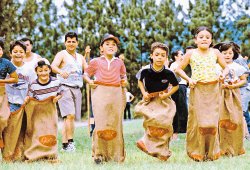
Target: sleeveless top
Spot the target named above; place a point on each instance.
(73, 66)
(204, 68)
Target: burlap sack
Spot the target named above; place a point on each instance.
(41, 132)
(231, 123)
(108, 107)
(14, 136)
(4, 112)
(202, 129)
(158, 117)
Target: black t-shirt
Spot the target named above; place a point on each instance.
(155, 81)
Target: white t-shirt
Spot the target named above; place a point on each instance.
(18, 91)
(235, 70)
(174, 66)
(32, 64)
(128, 96)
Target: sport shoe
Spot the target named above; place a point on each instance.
(71, 147)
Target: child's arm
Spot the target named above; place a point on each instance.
(179, 70)
(143, 91)
(241, 82)
(13, 78)
(57, 98)
(163, 95)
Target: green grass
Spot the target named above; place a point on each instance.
(135, 159)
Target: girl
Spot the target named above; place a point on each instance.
(157, 107)
(202, 128)
(231, 114)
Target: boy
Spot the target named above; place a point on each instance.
(18, 91)
(41, 132)
(157, 107)
(107, 101)
(6, 67)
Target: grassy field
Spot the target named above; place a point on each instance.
(135, 159)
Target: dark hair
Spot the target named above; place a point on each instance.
(71, 35)
(224, 46)
(159, 45)
(17, 43)
(42, 63)
(202, 28)
(1, 44)
(189, 48)
(175, 53)
(27, 39)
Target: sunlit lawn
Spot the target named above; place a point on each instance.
(135, 159)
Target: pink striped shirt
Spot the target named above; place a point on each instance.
(105, 71)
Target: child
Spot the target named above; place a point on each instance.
(157, 107)
(231, 114)
(180, 99)
(6, 67)
(18, 91)
(202, 128)
(107, 101)
(41, 132)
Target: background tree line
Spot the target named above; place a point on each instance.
(137, 23)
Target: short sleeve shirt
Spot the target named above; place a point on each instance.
(6, 67)
(155, 81)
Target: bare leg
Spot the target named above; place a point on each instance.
(64, 134)
(70, 126)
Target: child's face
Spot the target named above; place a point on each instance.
(159, 57)
(203, 39)
(1, 52)
(17, 54)
(179, 57)
(28, 46)
(109, 47)
(43, 73)
(71, 44)
(228, 55)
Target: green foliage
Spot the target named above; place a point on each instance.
(137, 23)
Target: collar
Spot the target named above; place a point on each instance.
(151, 66)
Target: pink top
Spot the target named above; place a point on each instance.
(107, 71)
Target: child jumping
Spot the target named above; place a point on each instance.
(157, 107)
(107, 102)
(41, 132)
(6, 67)
(231, 125)
(202, 128)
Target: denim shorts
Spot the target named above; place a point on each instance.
(14, 107)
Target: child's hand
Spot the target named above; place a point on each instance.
(146, 97)
(26, 100)
(92, 84)
(124, 83)
(231, 86)
(56, 98)
(224, 86)
(191, 83)
(163, 95)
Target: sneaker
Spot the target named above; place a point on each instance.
(71, 147)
